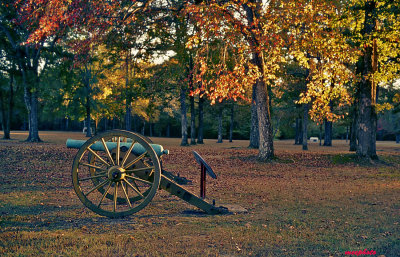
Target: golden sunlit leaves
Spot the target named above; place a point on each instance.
(323, 37)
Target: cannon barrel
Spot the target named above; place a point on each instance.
(137, 149)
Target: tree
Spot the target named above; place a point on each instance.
(7, 104)
(31, 59)
(372, 27)
(247, 28)
(254, 134)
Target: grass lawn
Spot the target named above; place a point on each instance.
(321, 202)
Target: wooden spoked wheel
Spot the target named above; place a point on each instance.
(111, 178)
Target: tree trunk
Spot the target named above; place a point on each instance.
(220, 125)
(192, 122)
(128, 112)
(254, 135)
(398, 138)
(135, 123)
(10, 109)
(105, 124)
(320, 135)
(266, 143)
(184, 134)
(88, 125)
(328, 133)
(151, 129)
(128, 118)
(144, 127)
(298, 138)
(114, 123)
(305, 126)
(67, 123)
(168, 130)
(367, 90)
(96, 124)
(201, 123)
(7, 115)
(4, 116)
(231, 123)
(31, 102)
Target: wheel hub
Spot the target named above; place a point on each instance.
(116, 173)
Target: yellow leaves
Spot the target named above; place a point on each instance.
(383, 107)
(301, 58)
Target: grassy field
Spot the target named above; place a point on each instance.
(322, 202)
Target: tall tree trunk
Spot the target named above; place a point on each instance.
(201, 123)
(254, 135)
(298, 138)
(305, 126)
(150, 129)
(192, 122)
(4, 115)
(105, 124)
(31, 102)
(220, 125)
(320, 135)
(144, 127)
(184, 134)
(10, 109)
(168, 130)
(328, 133)
(266, 143)
(128, 117)
(7, 115)
(28, 64)
(96, 124)
(231, 123)
(353, 129)
(135, 123)
(88, 125)
(128, 112)
(367, 89)
(31, 81)
(192, 107)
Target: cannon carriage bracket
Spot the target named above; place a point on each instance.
(117, 173)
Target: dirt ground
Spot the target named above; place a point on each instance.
(320, 202)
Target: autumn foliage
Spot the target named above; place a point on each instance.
(342, 46)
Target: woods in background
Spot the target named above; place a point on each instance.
(238, 69)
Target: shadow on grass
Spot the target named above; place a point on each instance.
(352, 158)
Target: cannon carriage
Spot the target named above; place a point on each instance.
(117, 173)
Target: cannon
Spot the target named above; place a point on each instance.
(117, 173)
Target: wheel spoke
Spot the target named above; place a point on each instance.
(134, 183)
(88, 178)
(105, 193)
(95, 154)
(92, 166)
(97, 187)
(118, 150)
(126, 195)
(115, 195)
(139, 179)
(107, 151)
(127, 154)
(134, 189)
(138, 170)
(136, 160)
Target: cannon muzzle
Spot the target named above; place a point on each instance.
(137, 149)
